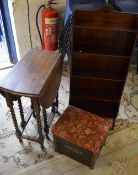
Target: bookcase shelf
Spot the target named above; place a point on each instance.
(99, 66)
(96, 88)
(103, 42)
(102, 45)
(108, 109)
(98, 26)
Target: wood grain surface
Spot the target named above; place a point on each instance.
(30, 75)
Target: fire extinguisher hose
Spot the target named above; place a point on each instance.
(37, 25)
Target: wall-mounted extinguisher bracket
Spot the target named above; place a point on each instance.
(50, 2)
(49, 36)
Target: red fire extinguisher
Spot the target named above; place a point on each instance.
(49, 36)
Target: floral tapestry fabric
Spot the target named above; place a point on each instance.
(82, 128)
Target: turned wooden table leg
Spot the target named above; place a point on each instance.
(23, 122)
(46, 127)
(36, 108)
(55, 106)
(33, 110)
(10, 105)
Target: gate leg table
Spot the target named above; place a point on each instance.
(36, 76)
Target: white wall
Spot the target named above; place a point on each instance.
(21, 22)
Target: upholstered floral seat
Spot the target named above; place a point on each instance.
(82, 128)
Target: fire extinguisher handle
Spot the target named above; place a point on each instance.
(51, 3)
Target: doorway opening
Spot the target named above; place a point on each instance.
(9, 52)
(4, 54)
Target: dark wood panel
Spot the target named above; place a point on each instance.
(107, 109)
(97, 65)
(94, 88)
(106, 17)
(29, 76)
(105, 42)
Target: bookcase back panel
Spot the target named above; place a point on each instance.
(97, 94)
(102, 108)
(97, 65)
(98, 83)
(105, 42)
(106, 18)
(95, 88)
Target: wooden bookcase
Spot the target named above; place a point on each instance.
(102, 46)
